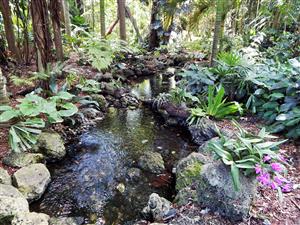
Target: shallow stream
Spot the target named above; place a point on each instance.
(100, 178)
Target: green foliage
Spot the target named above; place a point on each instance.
(245, 152)
(179, 95)
(197, 79)
(30, 114)
(277, 96)
(89, 86)
(216, 106)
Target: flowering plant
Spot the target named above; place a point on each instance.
(253, 155)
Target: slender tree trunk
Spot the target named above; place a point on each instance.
(134, 24)
(55, 10)
(9, 30)
(42, 37)
(80, 7)
(3, 92)
(65, 7)
(102, 18)
(93, 15)
(217, 30)
(111, 27)
(122, 15)
(153, 38)
(3, 59)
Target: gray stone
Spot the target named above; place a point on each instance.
(152, 162)
(32, 180)
(215, 191)
(185, 196)
(4, 177)
(100, 99)
(30, 218)
(11, 203)
(159, 208)
(134, 174)
(51, 145)
(23, 159)
(188, 170)
(203, 131)
(66, 221)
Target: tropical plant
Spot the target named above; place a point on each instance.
(180, 95)
(28, 117)
(252, 154)
(197, 79)
(216, 107)
(89, 86)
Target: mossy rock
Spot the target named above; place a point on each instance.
(189, 175)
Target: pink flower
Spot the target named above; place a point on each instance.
(258, 169)
(279, 180)
(267, 158)
(273, 185)
(286, 188)
(281, 158)
(276, 167)
(264, 178)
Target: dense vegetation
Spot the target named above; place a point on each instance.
(244, 60)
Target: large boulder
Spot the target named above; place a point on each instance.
(4, 177)
(30, 218)
(159, 208)
(66, 221)
(100, 99)
(203, 131)
(11, 203)
(32, 180)
(51, 145)
(23, 159)
(152, 162)
(215, 191)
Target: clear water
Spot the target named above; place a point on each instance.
(85, 183)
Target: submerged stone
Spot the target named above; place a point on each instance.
(23, 159)
(66, 221)
(152, 162)
(32, 180)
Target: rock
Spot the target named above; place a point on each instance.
(91, 113)
(152, 162)
(32, 180)
(204, 147)
(185, 196)
(128, 72)
(11, 203)
(30, 218)
(188, 170)
(4, 177)
(159, 208)
(133, 174)
(129, 100)
(23, 159)
(204, 131)
(215, 191)
(100, 99)
(51, 145)
(66, 221)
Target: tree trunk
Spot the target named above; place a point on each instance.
(102, 18)
(111, 27)
(153, 37)
(217, 30)
(55, 10)
(134, 24)
(93, 15)
(42, 37)
(80, 7)
(9, 30)
(121, 13)
(65, 8)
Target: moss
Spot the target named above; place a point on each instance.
(189, 175)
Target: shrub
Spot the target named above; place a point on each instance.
(252, 155)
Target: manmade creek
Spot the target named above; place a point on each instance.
(100, 177)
